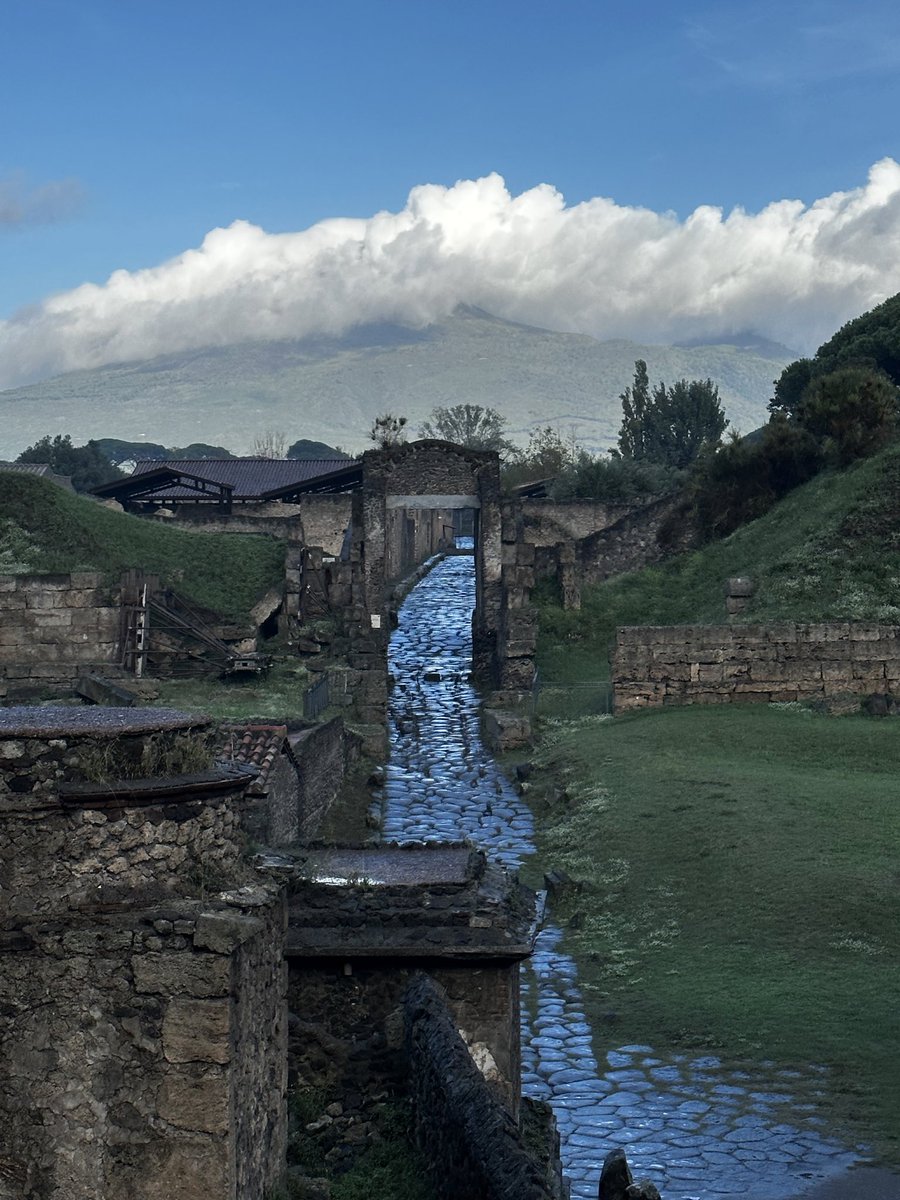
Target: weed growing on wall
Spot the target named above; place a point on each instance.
(162, 754)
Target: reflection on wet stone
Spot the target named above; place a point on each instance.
(695, 1126)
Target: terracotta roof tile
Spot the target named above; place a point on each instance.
(256, 745)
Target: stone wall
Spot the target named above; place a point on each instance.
(720, 664)
(142, 1054)
(314, 520)
(628, 544)
(518, 619)
(471, 1141)
(347, 1021)
(142, 1007)
(413, 535)
(362, 920)
(548, 522)
(52, 627)
(71, 841)
(323, 754)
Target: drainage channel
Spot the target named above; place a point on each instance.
(697, 1126)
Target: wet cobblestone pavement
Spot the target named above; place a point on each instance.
(698, 1126)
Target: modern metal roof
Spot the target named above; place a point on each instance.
(247, 478)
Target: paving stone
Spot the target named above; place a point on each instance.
(711, 1131)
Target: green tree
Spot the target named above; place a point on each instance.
(547, 456)
(634, 433)
(468, 425)
(87, 465)
(388, 430)
(669, 426)
(851, 412)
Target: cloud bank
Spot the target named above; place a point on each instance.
(791, 272)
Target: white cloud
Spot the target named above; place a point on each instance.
(790, 272)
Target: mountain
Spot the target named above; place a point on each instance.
(331, 389)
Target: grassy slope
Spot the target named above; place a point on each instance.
(740, 865)
(741, 895)
(829, 550)
(44, 529)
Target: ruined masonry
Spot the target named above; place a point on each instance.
(142, 1013)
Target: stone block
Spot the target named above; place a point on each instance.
(86, 579)
(197, 1101)
(866, 631)
(41, 584)
(505, 730)
(198, 1168)
(40, 601)
(181, 973)
(224, 932)
(197, 1031)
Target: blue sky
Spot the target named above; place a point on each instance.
(133, 129)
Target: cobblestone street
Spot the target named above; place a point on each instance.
(698, 1126)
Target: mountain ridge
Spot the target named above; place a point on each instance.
(331, 388)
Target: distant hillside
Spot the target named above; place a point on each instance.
(330, 389)
(45, 529)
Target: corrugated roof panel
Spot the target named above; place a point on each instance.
(250, 478)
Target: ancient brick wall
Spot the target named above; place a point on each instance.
(64, 851)
(348, 1024)
(313, 520)
(628, 544)
(323, 753)
(720, 664)
(518, 619)
(52, 627)
(324, 520)
(142, 1054)
(413, 535)
(142, 1014)
(471, 1141)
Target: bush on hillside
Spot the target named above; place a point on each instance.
(743, 479)
(615, 480)
(851, 412)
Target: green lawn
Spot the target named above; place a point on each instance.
(740, 871)
(277, 695)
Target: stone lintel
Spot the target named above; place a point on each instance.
(433, 502)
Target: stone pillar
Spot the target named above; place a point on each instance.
(738, 591)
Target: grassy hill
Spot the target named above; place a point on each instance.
(829, 550)
(44, 529)
(331, 389)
